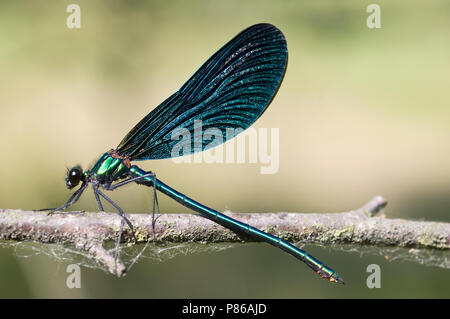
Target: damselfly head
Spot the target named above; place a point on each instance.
(74, 177)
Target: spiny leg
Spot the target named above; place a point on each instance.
(67, 203)
(77, 197)
(155, 197)
(124, 218)
(100, 205)
(132, 179)
(72, 200)
(116, 253)
(155, 206)
(121, 212)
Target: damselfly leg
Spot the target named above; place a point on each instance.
(72, 200)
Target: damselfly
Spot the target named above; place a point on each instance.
(230, 91)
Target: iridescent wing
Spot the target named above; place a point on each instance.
(230, 91)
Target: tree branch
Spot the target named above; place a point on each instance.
(88, 231)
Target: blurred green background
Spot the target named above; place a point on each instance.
(361, 112)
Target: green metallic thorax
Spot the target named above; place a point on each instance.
(108, 169)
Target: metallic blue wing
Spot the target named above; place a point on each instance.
(230, 91)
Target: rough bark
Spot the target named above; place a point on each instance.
(88, 231)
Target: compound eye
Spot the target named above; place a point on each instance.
(74, 177)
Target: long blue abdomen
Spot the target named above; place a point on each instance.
(238, 226)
